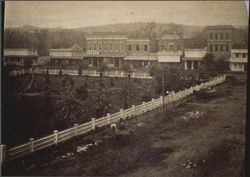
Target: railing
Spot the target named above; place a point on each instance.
(74, 72)
(57, 137)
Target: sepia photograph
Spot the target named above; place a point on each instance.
(124, 88)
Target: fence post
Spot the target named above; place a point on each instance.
(76, 129)
(31, 144)
(153, 102)
(161, 98)
(95, 73)
(133, 74)
(133, 108)
(121, 112)
(144, 109)
(121, 73)
(55, 137)
(22, 71)
(108, 118)
(2, 154)
(93, 123)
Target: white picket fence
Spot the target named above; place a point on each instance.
(61, 136)
(74, 72)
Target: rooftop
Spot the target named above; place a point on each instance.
(20, 52)
(215, 27)
(105, 37)
(170, 36)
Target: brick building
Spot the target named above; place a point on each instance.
(219, 41)
(105, 50)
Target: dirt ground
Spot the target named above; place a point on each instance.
(163, 144)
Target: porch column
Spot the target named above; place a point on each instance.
(192, 65)
(199, 63)
(185, 65)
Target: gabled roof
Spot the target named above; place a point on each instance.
(74, 48)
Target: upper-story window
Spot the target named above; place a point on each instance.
(100, 46)
(211, 48)
(216, 36)
(221, 36)
(95, 46)
(130, 47)
(145, 47)
(227, 48)
(111, 46)
(116, 46)
(237, 55)
(221, 48)
(216, 48)
(122, 48)
(162, 47)
(178, 47)
(137, 47)
(211, 35)
(90, 47)
(227, 36)
(105, 46)
(244, 55)
(171, 47)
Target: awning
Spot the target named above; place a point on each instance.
(141, 58)
(169, 59)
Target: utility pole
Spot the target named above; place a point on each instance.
(162, 83)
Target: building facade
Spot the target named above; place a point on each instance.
(219, 41)
(238, 60)
(68, 57)
(193, 58)
(170, 43)
(20, 57)
(105, 50)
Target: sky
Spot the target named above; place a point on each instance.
(73, 14)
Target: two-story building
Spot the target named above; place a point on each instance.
(193, 58)
(68, 57)
(238, 60)
(105, 50)
(138, 53)
(20, 57)
(219, 41)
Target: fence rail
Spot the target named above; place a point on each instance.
(57, 137)
(74, 72)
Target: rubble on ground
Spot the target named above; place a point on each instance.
(192, 115)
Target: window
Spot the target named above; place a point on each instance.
(221, 48)
(116, 47)
(94, 46)
(244, 55)
(90, 48)
(129, 47)
(95, 62)
(221, 36)
(111, 46)
(216, 48)
(227, 36)
(122, 47)
(211, 48)
(105, 46)
(137, 47)
(100, 46)
(237, 55)
(216, 36)
(162, 47)
(117, 62)
(227, 48)
(178, 47)
(171, 47)
(211, 36)
(145, 47)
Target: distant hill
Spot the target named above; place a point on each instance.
(25, 36)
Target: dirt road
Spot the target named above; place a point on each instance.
(168, 144)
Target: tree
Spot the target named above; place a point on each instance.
(68, 109)
(128, 92)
